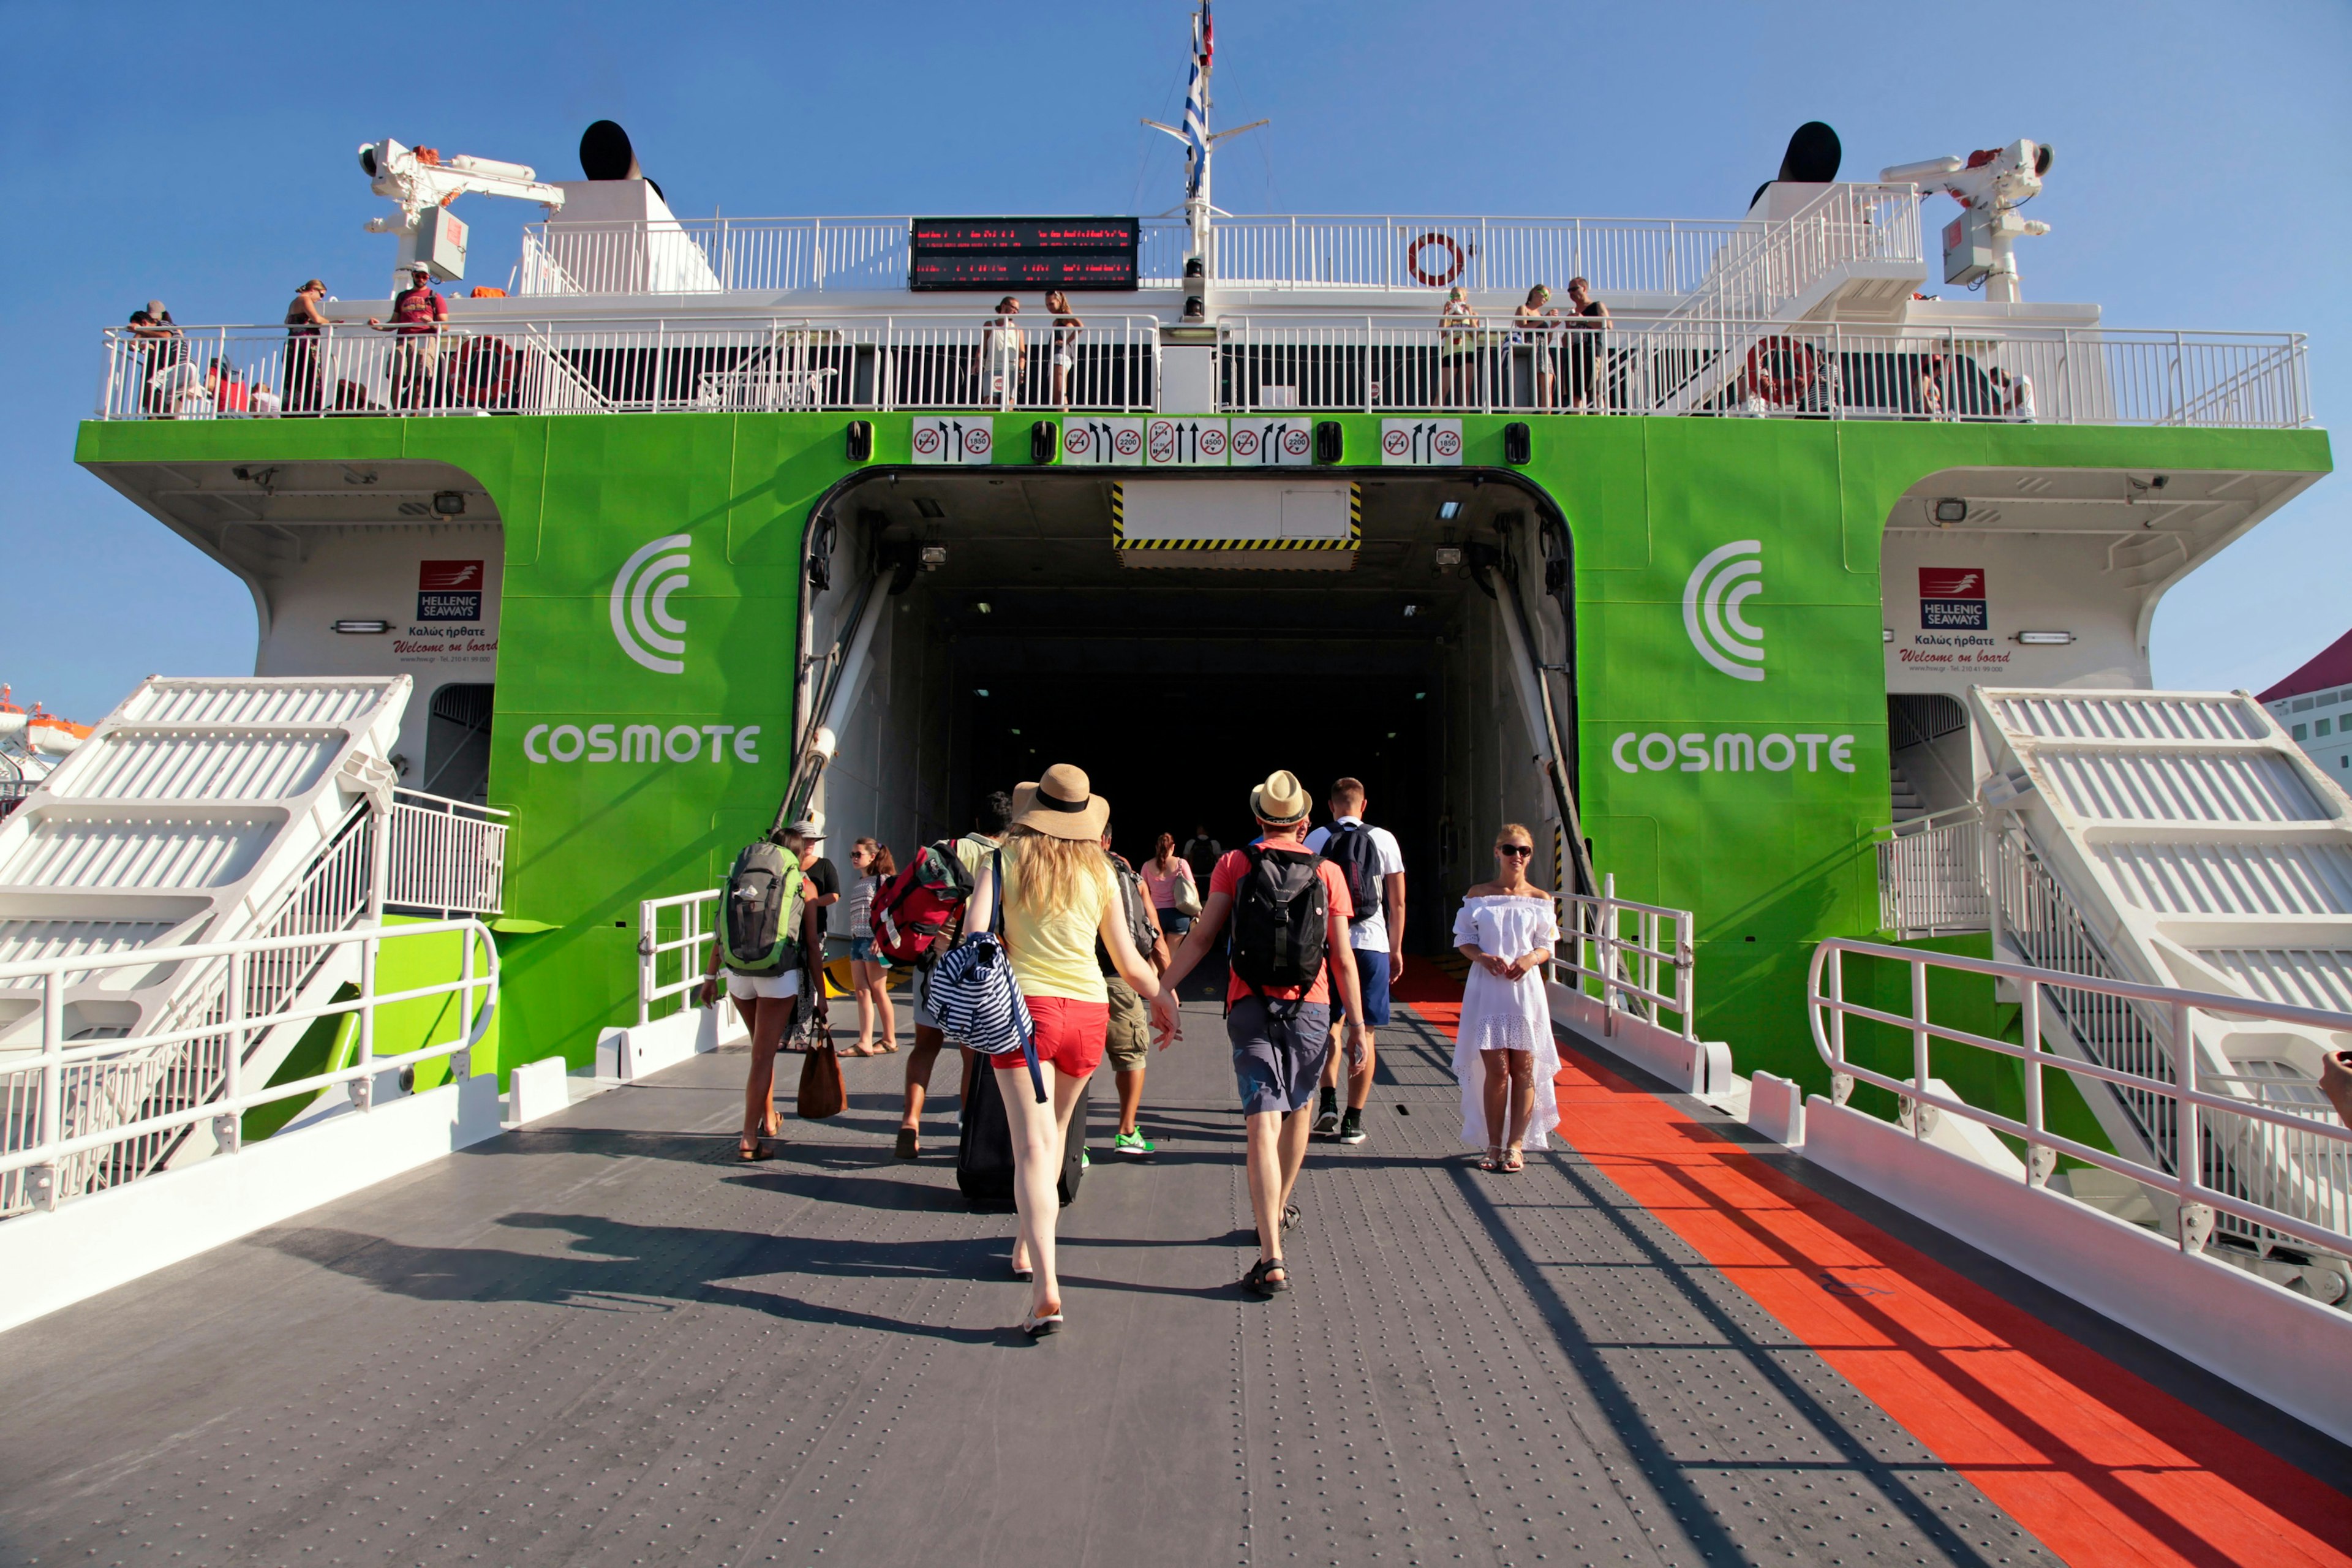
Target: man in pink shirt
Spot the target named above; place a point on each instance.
(1290, 909)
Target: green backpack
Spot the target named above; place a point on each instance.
(760, 920)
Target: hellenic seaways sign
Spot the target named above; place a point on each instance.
(1023, 253)
(1951, 599)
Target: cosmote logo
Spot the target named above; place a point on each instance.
(642, 623)
(1722, 582)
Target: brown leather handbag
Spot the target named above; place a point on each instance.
(822, 1094)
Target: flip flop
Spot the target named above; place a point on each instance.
(910, 1145)
(1037, 1325)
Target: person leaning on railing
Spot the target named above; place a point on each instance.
(1003, 354)
(1590, 317)
(303, 324)
(418, 315)
(1538, 324)
(1458, 349)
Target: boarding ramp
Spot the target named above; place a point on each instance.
(200, 812)
(2182, 840)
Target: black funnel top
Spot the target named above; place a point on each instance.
(1811, 159)
(605, 153)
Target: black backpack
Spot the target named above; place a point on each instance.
(1349, 846)
(1282, 910)
(760, 919)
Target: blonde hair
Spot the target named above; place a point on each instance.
(1057, 875)
(1503, 834)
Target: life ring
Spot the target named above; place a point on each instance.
(1782, 370)
(1413, 260)
(482, 373)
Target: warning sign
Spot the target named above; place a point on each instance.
(1186, 443)
(1119, 442)
(1422, 442)
(966, 439)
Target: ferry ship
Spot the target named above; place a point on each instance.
(1797, 594)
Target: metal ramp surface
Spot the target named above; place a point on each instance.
(600, 1340)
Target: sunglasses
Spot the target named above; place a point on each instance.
(1515, 851)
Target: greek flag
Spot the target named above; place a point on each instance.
(1196, 100)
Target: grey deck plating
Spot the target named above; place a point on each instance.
(600, 1340)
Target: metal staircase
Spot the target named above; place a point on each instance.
(1852, 252)
(198, 812)
(2181, 839)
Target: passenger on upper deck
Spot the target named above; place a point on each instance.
(1067, 328)
(303, 323)
(418, 315)
(1539, 321)
(1584, 353)
(1458, 349)
(164, 373)
(1003, 356)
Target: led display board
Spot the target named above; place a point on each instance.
(1023, 253)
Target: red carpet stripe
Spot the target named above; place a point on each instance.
(2107, 1470)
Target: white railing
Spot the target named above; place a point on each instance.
(2280, 1170)
(1636, 958)
(681, 924)
(1931, 874)
(1660, 256)
(1110, 362)
(47, 1127)
(1996, 373)
(445, 855)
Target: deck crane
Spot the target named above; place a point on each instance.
(1992, 183)
(422, 184)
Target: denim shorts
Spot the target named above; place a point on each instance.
(1278, 1051)
(1173, 925)
(861, 949)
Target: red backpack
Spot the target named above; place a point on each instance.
(915, 905)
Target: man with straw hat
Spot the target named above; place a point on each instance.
(1290, 910)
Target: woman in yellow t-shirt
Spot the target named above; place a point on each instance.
(1059, 898)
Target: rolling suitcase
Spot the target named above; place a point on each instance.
(985, 1145)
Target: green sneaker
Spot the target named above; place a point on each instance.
(1133, 1142)
(1086, 1161)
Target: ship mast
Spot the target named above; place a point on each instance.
(1200, 145)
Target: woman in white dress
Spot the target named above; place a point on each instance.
(1504, 1054)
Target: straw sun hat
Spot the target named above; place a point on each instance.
(1281, 801)
(1062, 804)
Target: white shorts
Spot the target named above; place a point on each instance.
(743, 987)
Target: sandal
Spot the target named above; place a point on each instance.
(1292, 1218)
(910, 1144)
(753, 1153)
(1514, 1162)
(1261, 1277)
(1023, 1275)
(1493, 1160)
(1037, 1325)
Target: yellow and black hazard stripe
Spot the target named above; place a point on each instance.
(1355, 540)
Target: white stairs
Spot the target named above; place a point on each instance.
(198, 811)
(2182, 839)
(1908, 805)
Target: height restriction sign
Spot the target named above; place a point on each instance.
(1422, 442)
(966, 439)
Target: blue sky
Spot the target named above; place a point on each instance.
(204, 156)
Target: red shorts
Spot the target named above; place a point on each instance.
(1070, 1034)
